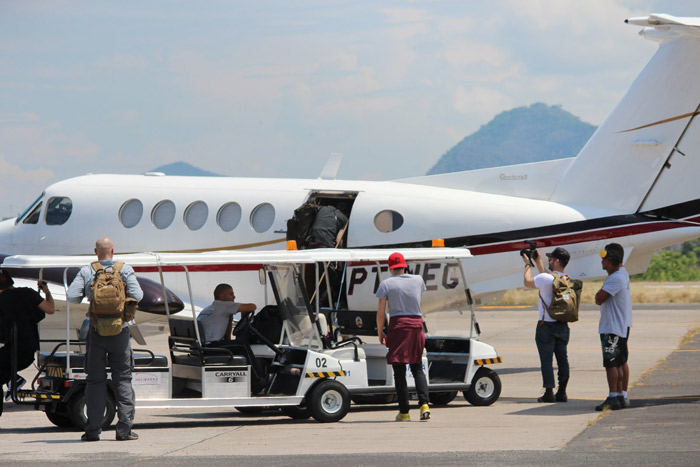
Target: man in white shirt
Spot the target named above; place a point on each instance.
(615, 322)
(551, 336)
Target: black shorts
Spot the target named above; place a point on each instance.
(615, 352)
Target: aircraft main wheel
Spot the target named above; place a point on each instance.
(442, 398)
(296, 412)
(77, 411)
(59, 419)
(329, 401)
(485, 388)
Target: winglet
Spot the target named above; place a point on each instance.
(330, 170)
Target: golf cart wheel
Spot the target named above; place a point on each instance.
(77, 411)
(296, 412)
(442, 398)
(329, 401)
(59, 419)
(485, 388)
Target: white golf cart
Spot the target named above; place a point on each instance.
(312, 364)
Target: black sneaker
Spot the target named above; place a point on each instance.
(624, 403)
(548, 396)
(611, 403)
(87, 437)
(131, 436)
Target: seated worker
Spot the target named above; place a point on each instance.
(217, 318)
(217, 323)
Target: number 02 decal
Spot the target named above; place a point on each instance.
(321, 363)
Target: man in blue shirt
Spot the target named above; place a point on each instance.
(104, 350)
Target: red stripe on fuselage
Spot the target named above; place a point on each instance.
(582, 237)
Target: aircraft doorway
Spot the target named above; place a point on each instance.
(323, 222)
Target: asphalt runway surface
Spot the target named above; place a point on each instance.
(662, 426)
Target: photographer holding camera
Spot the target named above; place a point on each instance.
(551, 336)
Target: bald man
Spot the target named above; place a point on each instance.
(114, 351)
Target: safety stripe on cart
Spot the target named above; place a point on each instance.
(21, 395)
(325, 374)
(488, 361)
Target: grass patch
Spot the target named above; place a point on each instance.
(642, 292)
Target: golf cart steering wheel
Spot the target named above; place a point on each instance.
(243, 323)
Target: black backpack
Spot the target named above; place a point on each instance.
(268, 322)
(299, 226)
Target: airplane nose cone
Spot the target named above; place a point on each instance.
(153, 301)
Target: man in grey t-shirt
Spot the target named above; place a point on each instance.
(615, 321)
(217, 318)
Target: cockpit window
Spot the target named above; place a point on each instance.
(33, 216)
(58, 210)
(29, 208)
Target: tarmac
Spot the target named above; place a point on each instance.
(662, 426)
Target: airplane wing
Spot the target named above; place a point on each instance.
(150, 260)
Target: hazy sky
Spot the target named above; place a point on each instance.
(271, 88)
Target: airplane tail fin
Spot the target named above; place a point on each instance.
(646, 154)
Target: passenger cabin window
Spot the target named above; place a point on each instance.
(262, 217)
(196, 215)
(130, 213)
(33, 216)
(388, 221)
(163, 214)
(229, 216)
(58, 210)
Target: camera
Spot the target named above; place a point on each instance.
(531, 252)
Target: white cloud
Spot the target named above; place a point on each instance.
(480, 101)
(122, 61)
(19, 186)
(461, 53)
(405, 15)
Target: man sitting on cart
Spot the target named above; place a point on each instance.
(217, 324)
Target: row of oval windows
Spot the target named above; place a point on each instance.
(228, 217)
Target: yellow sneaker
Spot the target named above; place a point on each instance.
(403, 417)
(424, 412)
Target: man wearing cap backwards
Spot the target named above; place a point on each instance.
(615, 321)
(25, 307)
(405, 337)
(551, 336)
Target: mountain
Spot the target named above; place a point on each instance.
(183, 168)
(524, 134)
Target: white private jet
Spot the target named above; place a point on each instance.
(633, 183)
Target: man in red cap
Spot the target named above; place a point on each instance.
(405, 337)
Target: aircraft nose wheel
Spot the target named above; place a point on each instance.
(329, 401)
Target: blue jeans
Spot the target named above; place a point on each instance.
(552, 339)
